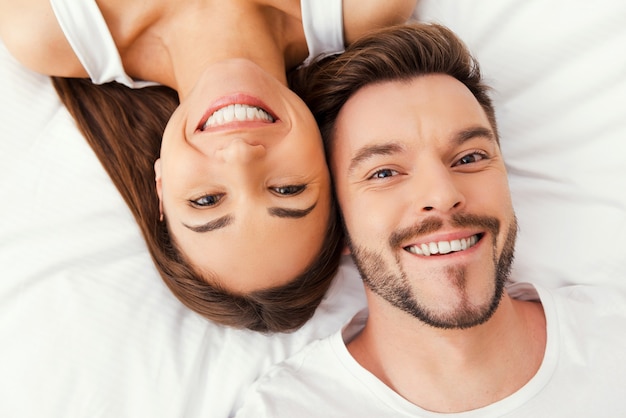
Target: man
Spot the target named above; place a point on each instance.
(419, 176)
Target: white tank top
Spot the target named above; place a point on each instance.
(323, 27)
(90, 38)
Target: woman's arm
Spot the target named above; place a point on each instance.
(30, 31)
(360, 16)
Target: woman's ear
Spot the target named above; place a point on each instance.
(157, 180)
(346, 249)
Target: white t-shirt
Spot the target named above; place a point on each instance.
(90, 38)
(583, 373)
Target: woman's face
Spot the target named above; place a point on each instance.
(242, 179)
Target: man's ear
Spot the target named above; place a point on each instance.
(159, 190)
(346, 250)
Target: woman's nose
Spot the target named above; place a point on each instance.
(239, 151)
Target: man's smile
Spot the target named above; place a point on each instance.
(444, 247)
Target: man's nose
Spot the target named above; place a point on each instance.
(438, 191)
(240, 151)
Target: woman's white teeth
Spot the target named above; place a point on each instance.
(443, 247)
(237, 112)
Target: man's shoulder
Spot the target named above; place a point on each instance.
(578, 311)
(313, 376)
(291, 387)
(598, 310)
(602, 298)
(583, 315)
(595, 300)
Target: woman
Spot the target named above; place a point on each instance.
(240, 224)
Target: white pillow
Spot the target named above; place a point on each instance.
(558, 69)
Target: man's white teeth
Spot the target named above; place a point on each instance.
(443, 247)
(237, 112)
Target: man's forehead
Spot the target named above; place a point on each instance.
(383, 112)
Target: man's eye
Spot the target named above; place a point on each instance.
(289, 190)
(474, 157)
(383, 173)
(207, 200)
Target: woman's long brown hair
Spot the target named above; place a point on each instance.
(124, 127)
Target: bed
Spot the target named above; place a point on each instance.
(89, 330)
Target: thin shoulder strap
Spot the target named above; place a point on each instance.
(90, 38)
(323, 27)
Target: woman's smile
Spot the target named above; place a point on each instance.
(237, 110)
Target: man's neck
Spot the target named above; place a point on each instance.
(453, 370)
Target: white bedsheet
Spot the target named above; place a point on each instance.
(87, 328)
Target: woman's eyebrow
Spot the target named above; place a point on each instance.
(212, 225)
(290, 213)
(226, 220)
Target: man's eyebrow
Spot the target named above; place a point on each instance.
(473, 132)
(290, 213)
(211, 225)
(369, 151)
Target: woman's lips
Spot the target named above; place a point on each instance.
(237, 114)
(236, 110)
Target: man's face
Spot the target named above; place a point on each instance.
(425, 199)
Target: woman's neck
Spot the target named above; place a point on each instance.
(173, 42)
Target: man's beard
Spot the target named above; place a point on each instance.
(393, 285)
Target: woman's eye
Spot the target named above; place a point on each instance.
(474, 157)
(289, 190)
(206, 201)
(384, 173)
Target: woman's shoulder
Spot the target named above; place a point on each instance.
(30, 31)
(360, 16)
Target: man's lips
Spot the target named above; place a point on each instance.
(444, 247)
